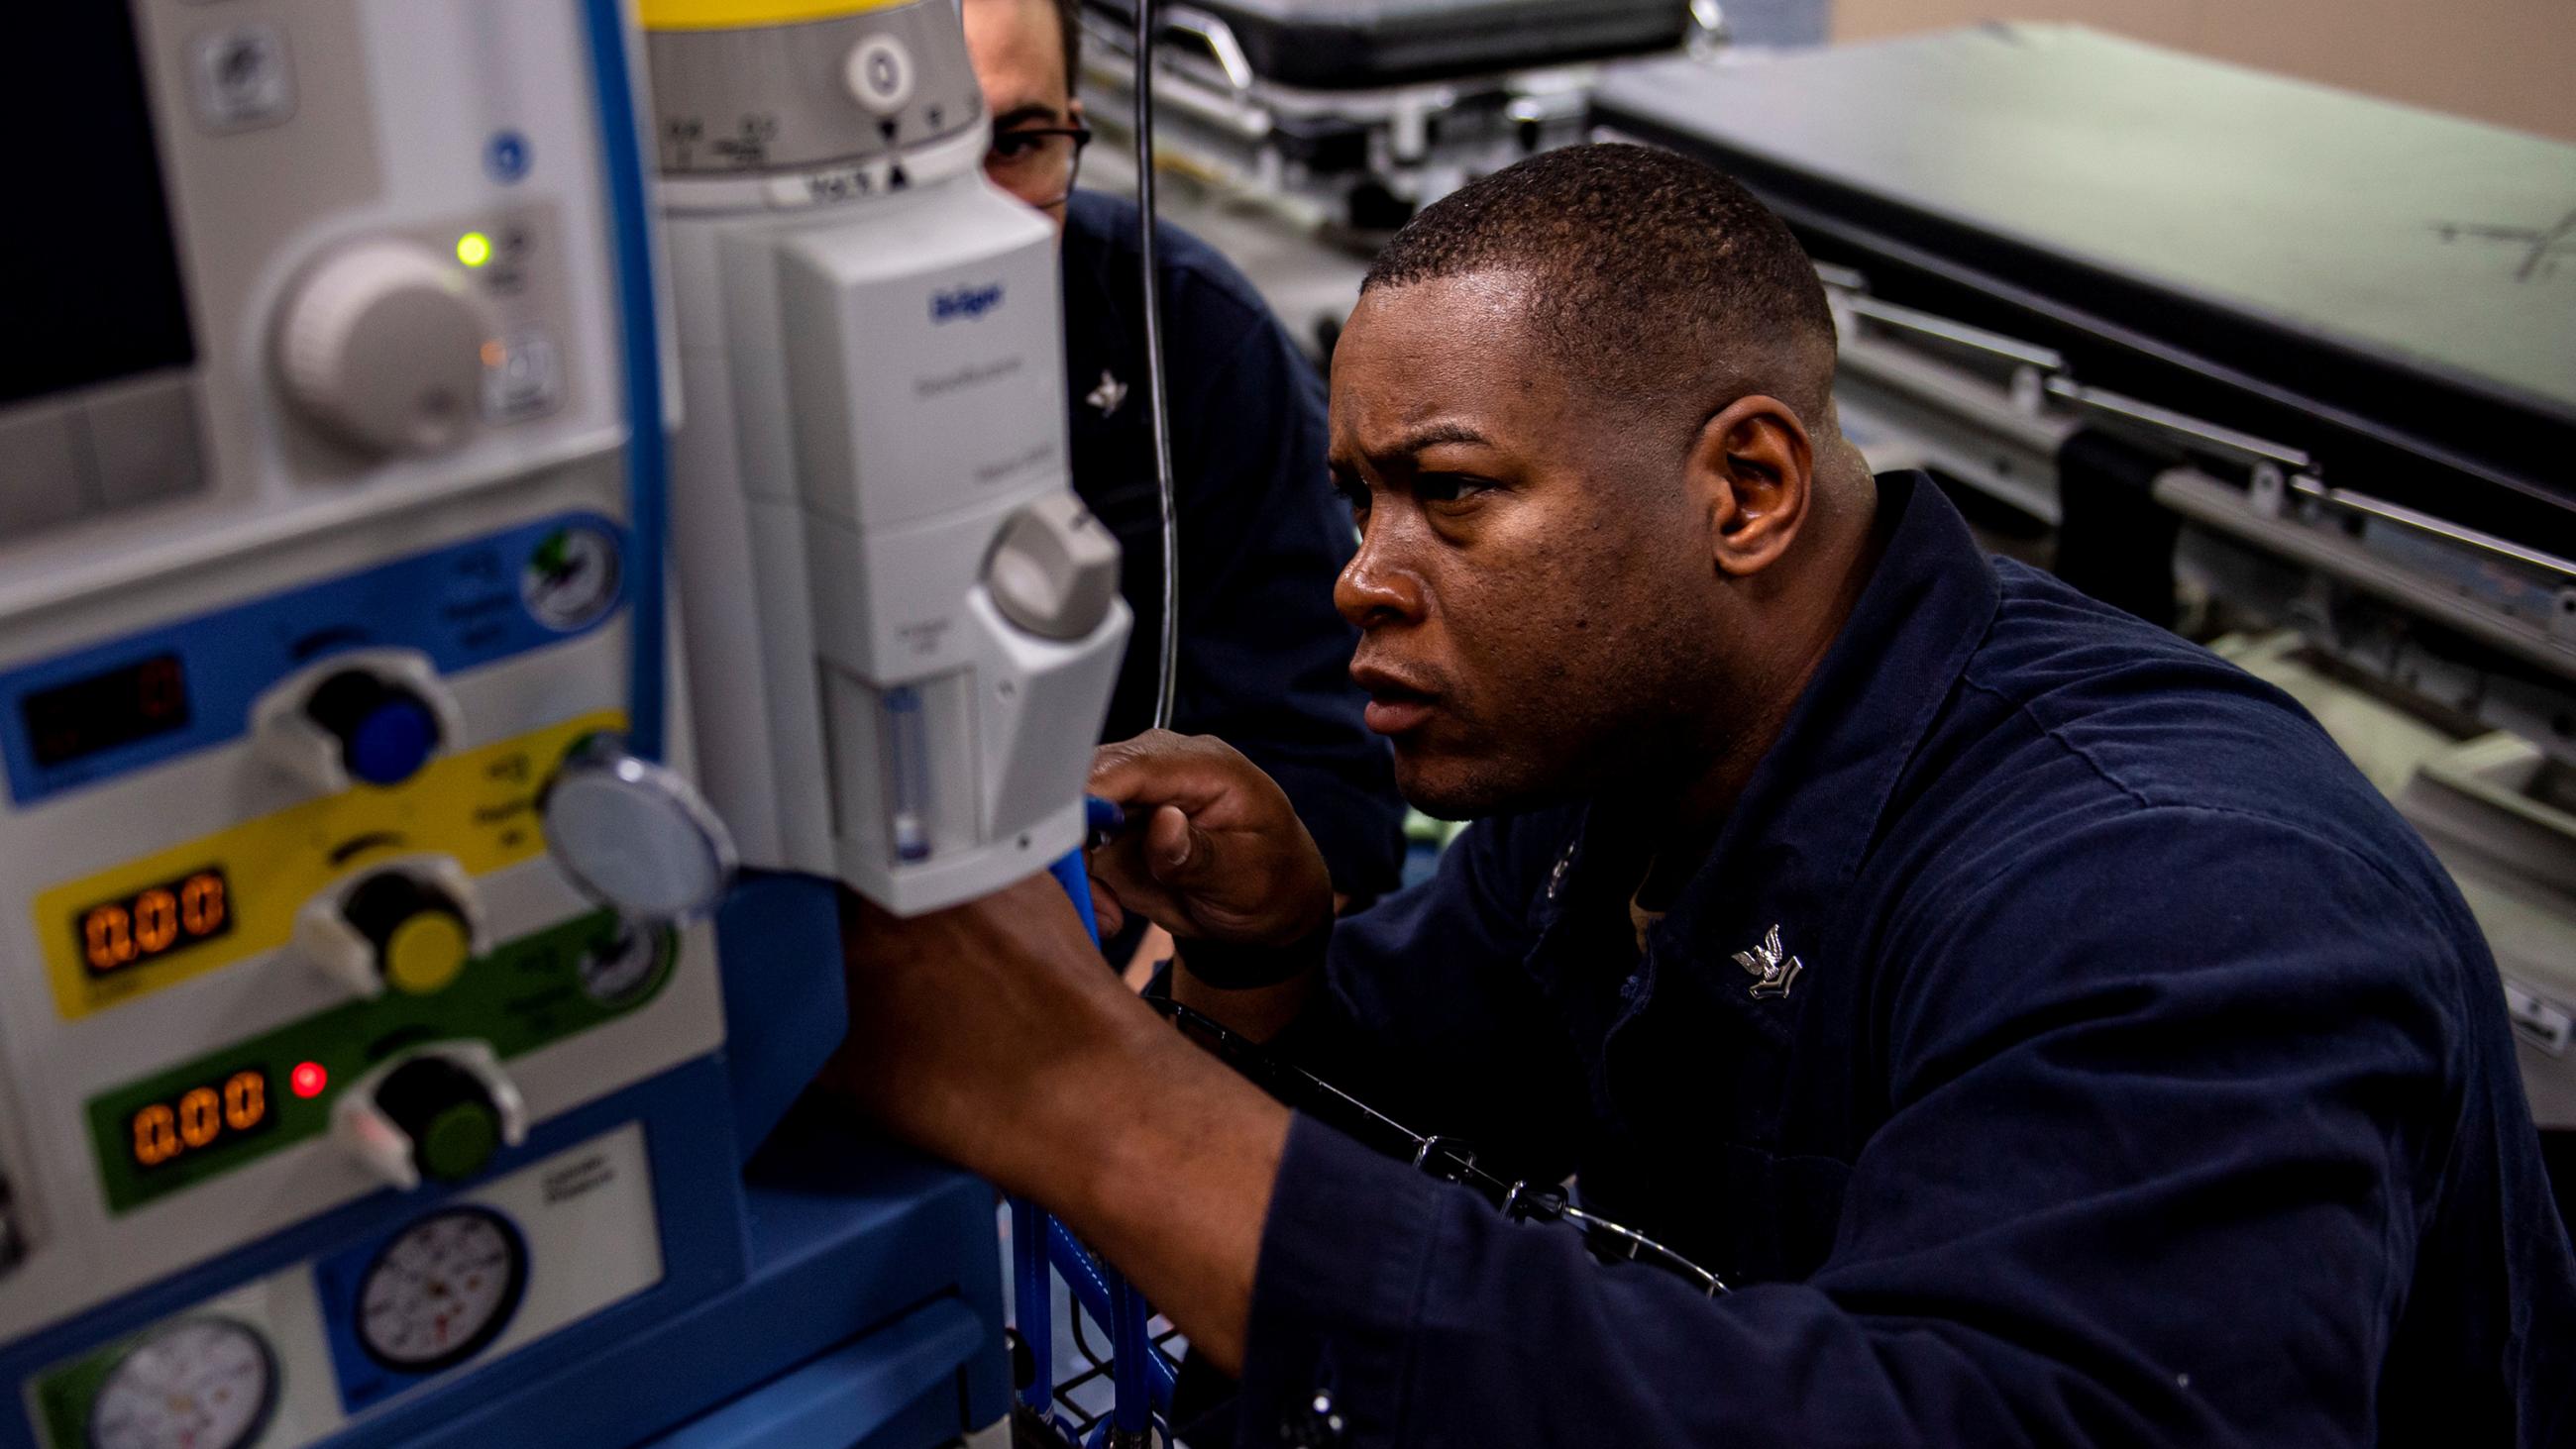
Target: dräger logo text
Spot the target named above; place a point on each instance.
(968, 303)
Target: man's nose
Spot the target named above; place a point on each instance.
(1375, 587)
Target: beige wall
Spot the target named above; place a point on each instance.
(2512, 62)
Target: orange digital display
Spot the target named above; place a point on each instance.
(154, 921)
(178, 1127)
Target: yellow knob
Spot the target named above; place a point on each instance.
(426, 953)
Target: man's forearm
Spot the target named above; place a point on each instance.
(1170, 1179)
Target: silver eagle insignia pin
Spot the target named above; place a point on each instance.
(1108, 395)
(1772, 968)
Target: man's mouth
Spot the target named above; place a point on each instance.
(1395, 705)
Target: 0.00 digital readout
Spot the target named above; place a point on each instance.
(201, 1117)
(154, 921)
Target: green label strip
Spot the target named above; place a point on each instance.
(67, 1393)
(526, 994)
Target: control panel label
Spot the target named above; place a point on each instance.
(164, 918)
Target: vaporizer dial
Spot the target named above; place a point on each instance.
(204, 1383)
(443, 1291)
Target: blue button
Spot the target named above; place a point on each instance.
(506, 156)
(392, 742)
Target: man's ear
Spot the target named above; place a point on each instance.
(1752, 469)
(1073, 111)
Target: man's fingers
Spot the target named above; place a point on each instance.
(1175, 851)
(1123, 872)
(1162, 768)
(1106, 910)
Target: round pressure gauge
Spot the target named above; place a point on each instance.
(440, 1293)
(571, 578)
(201, 1383)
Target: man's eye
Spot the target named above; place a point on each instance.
(1448, 487)
(1354, 494)
(1011, 148)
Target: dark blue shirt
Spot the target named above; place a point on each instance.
(2142, 1081)
(1265, 658)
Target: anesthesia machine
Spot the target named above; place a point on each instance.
(385, 1038)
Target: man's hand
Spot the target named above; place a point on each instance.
(1220, 855)
(993, 1035)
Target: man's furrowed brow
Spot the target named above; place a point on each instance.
(1033, 114)
(1432, 435)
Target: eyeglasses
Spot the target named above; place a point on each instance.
(1037, 163)
(1445, 1158)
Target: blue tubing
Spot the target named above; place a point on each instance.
(1069, 873)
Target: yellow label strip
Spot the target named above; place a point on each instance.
(480, 807)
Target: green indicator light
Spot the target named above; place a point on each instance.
(474, 249)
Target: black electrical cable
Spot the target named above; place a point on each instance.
(1157, 403)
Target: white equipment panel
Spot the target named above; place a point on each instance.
(297, 615)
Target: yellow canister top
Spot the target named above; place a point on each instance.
(751, 14)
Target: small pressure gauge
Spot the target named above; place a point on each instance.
(201, 1383)
(572, 578)
(443, 1291)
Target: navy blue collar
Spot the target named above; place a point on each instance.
(1816, 800)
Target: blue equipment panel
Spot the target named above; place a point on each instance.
(117, 706)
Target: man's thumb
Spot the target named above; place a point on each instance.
(1174, 849)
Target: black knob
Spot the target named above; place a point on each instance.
(386, 731)
(447, 1112)
(420, 933)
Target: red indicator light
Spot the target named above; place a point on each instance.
(308, 1079)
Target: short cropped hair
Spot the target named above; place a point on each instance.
(1068, 19)
(1650, 273)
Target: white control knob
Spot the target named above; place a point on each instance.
(1054, 569)
(381, 346)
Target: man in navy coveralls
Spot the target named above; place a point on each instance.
(2051, 1035)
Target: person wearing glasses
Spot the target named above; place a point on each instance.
(1985, 1017)
(1263, 655)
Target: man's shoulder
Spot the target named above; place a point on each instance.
(2074, 721)
(2159, 720)
(1209, 295)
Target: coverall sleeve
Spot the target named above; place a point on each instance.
(1265, 655)
(2163, 1101)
